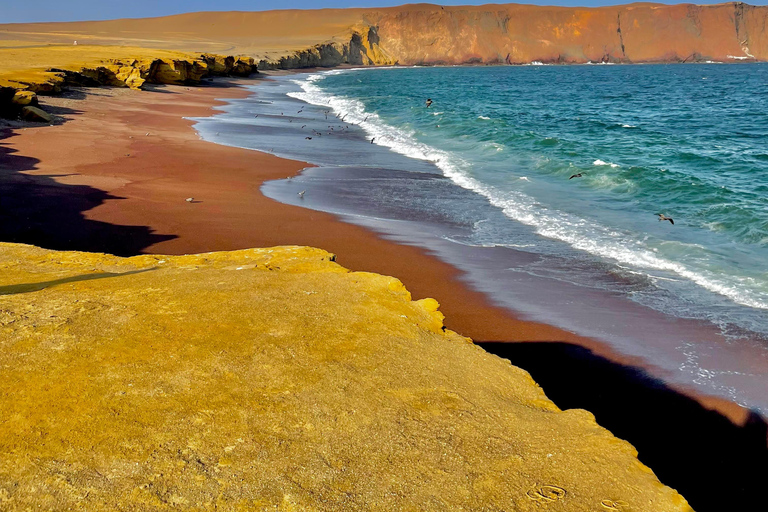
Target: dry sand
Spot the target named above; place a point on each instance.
(115, 176)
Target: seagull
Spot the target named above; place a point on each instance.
(366, 118)
(429, 102)
(301, 194)
(664, 217)
(579, 175)
(373, 139)
(303, 127)
(147, 135)
(190, 199)
(308, 138)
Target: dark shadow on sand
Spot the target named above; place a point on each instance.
(14, 289)
(37, 210)
(717, 465)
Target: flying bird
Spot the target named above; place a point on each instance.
(664, 217)
(373, 139)
(301, 194)
(579, 175)
(308, 138)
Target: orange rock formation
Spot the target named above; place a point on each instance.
(430, 34)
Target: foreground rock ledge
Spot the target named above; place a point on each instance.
(274, 379)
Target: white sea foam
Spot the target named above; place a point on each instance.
(600, 162)
(483, 117)
(628, 126)
(580, 233)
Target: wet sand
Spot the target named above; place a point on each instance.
(115, 176)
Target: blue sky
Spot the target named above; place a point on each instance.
(22, 11)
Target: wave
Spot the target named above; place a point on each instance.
(601, 163)
(483, 117)
(580, 233)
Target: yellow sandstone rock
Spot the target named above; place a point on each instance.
(24, 98)
(36, 115)
(274, 379)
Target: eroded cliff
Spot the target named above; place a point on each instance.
(274, 379)
(431, 34)
(517, 34)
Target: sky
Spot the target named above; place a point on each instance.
(24, 11)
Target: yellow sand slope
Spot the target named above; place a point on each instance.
(274, 379)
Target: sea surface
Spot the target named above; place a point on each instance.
(483, 179)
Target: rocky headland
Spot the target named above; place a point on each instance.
(274, 379)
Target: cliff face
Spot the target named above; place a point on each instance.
(430, 34)
(516, 34)
(274, 379)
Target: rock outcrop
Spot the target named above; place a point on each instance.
(274, 379)
(362, 49)
(35, 115)
(133, 73)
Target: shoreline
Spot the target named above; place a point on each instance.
(158, 171)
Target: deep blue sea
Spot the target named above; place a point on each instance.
(482, 179)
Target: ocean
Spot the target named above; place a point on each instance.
(484, 180)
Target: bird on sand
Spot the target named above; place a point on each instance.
(301, 194)
(190, 199)
(664, 217)
(579, 175)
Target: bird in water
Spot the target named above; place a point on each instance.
(373, 139)
(579, 175)
(429, 102)
(664, 217)
(301, 194)
(308, 138)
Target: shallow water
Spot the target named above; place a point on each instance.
(481, 178)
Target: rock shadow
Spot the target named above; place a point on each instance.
(37, 210)
(716, 464)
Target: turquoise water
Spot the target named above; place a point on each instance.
(481, 180)
(690, 142)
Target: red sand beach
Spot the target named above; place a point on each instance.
(114, 177)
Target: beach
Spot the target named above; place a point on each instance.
(114, 178)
